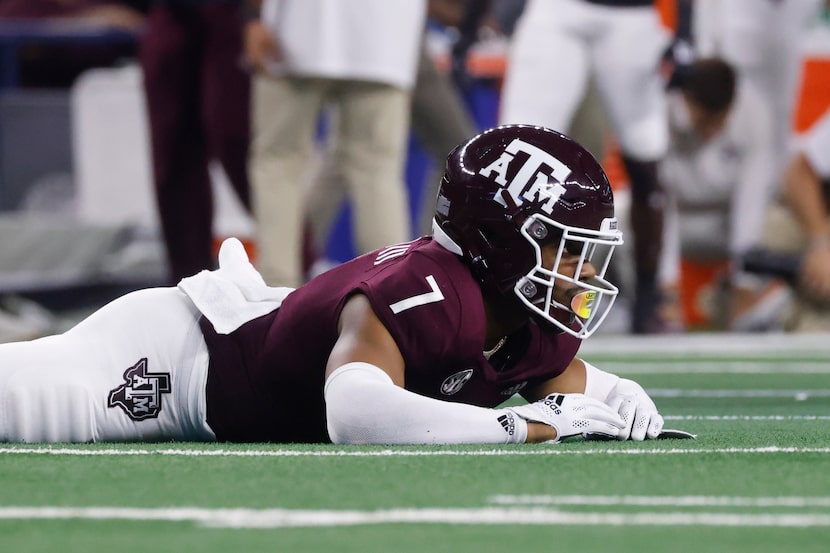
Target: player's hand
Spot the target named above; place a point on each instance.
(815, 272)
(572, 414)
(260, 46)
(637, 410)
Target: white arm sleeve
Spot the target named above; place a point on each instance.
(599, 384)
(364, 406)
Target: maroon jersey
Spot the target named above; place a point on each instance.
(265, 380)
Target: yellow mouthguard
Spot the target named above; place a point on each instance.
(583, 303)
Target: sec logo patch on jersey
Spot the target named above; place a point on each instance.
(453, 383)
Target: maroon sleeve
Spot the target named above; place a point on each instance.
(431, 306)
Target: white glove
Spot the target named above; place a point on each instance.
(572, 414)
(637, 410)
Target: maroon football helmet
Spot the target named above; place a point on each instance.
(513, 188)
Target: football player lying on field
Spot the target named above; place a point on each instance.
(416, 343)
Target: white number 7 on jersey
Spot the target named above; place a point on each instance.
(421, 299)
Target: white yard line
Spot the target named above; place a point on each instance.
(660, 501)
(544, 451)
(282, 518)
(691, 366)
(784, 346)
(746, 417)
(743, 393)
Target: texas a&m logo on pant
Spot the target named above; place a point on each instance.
(140, 395)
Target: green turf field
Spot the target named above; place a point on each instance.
(757, 479)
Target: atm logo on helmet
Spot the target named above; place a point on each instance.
(538, 180)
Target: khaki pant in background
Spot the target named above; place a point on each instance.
(439, 120)
(372, 131)
(783, 233)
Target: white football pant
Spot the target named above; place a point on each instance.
(135, 370)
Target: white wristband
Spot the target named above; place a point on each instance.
(598, 384)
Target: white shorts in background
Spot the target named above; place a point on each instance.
(560, 45)
(135, 370)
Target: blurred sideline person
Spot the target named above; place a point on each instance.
(46, 63)
(418, 342)
(557, 48)
(198, 98)
(439, 119)
(762, 40)
(800, 225)
(361, 57)
(719, 181)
